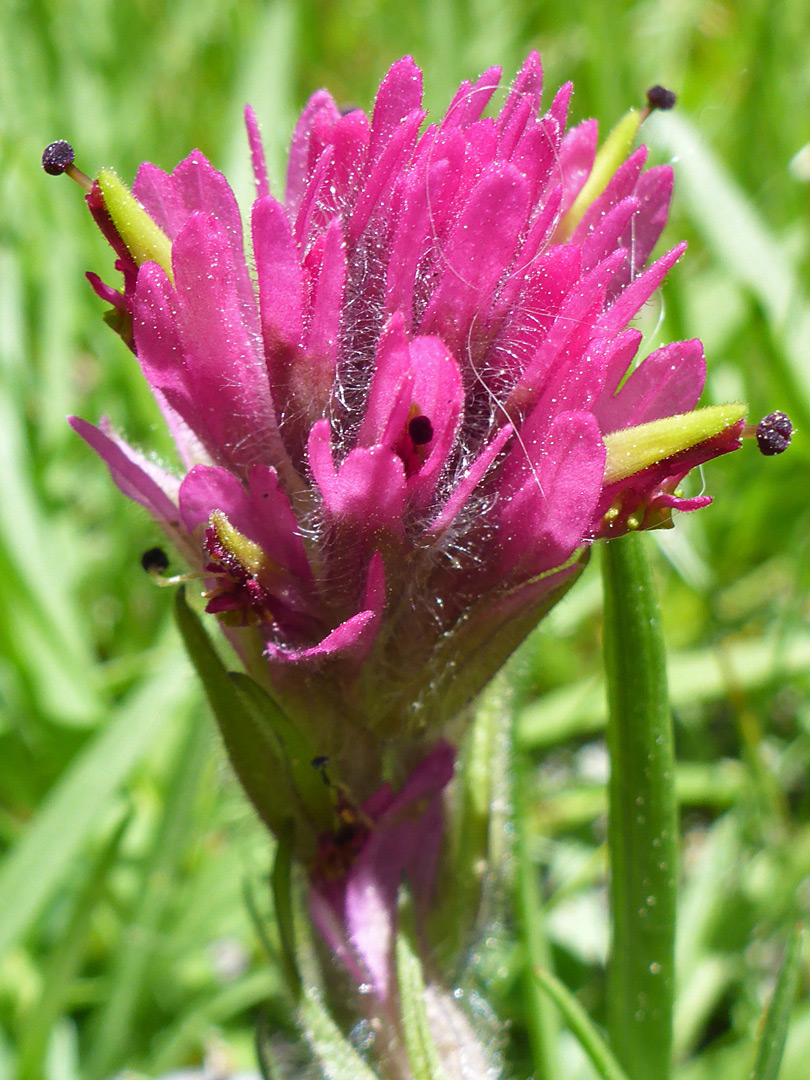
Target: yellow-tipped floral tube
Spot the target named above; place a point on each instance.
(144, 239)
(636, 448)
(609, 157)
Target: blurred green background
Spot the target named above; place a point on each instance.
(125, 846)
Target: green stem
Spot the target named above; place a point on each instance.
(642, 817)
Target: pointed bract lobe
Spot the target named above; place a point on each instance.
(559, 472)
(400, 94)
(224, 362)
(321, 113)
(667, 383)
(257, 158)
(482, 244)
(281, 286)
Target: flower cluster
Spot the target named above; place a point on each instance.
(406, 416)
(402, 420)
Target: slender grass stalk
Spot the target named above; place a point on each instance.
(581, 1026)
(774, 1033)
(642, 817)
(140, 949)
(64, 962)
(33, 870)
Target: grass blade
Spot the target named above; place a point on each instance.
(695, 677)
(775, 1027)
(65, 962)
(36, 866)
(581, 1026)
(139, 949)
(742, 241)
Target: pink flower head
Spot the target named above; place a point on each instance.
(403, 418)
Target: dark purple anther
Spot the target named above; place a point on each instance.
(420, 430)
(155, 561)
(57, 157)
(773, 433)
(658, 97)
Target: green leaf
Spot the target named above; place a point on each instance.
(703, 975)
(298, 752)
(283, 900)
(255, 753)
(581, 1026)
(642, 816)
(46, 626)
(419, 1042)
(338, 1058)
(775, 1027)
